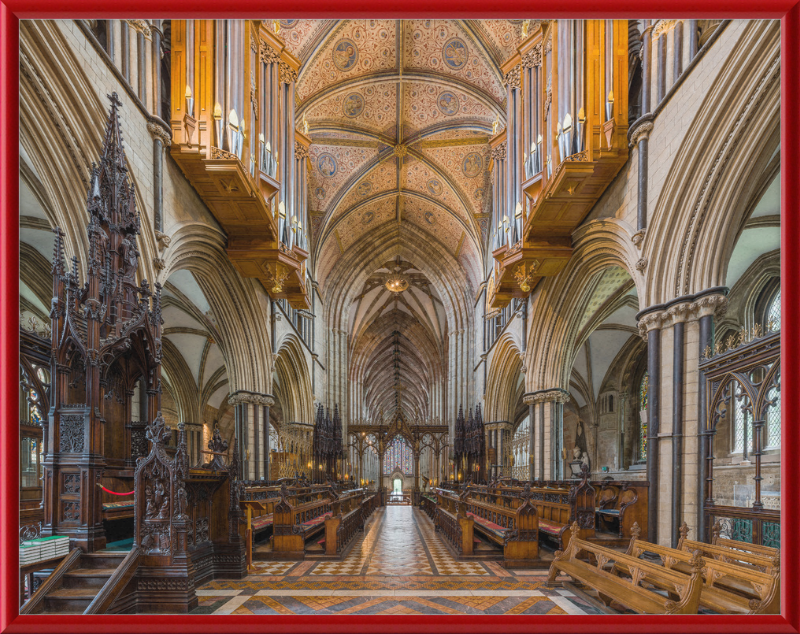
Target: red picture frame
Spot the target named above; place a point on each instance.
(11, 11)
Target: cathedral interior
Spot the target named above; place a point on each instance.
(400, 317)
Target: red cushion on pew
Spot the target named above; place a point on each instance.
(550, 528)
(487, 524)
(318, 520)
(257, 523)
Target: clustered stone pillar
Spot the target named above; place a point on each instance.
(530, 401)
(546, 411)
(251, 419)
(676, 332)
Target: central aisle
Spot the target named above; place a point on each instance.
(397, 566)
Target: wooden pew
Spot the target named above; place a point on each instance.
(728, 588)
(346, 520)
(764, 563)
(293, 525)
(451, 520)
(586, 563)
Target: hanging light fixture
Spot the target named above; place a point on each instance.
(396, 282)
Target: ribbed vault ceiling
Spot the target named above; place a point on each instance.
(400, 113)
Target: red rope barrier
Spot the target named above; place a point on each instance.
(113, 492)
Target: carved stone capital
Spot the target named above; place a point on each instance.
(556, 396)
(661, 26)
(141, 26)
(678, 313)
(160, 132)
(529, 399)
(650, 321)
(710, 305)
(641, 132)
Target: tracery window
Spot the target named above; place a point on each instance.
(644, 387)
(774, 313)
(398, 456)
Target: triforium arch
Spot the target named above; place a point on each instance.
(708, 193)
(294, 391)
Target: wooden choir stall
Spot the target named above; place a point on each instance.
(108, 472)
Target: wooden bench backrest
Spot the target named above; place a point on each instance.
(638, 569)
(752, 561)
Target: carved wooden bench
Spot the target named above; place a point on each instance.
(728, 588)
(587, 563)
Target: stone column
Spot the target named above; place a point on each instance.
(650, 326)
(640, 137)
(161, 140)
(707, 307)
(647, 54)
(251, 421)
(268, 402)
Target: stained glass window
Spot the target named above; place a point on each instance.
(398, 456)
(643, 394)
(774, 312)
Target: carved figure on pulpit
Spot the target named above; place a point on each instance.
(150, 509)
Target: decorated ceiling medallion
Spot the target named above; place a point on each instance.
(473, 165)
(320, 193)
(435, 187)
(368, 217)
(455, 53)
(288, 24)
(353, 105)
(478, 193)
(396, 282)
(430, 218)
(364, 188)
(326, 163)
(448, 103)
(345, 54)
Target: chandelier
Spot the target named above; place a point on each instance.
(396, 282)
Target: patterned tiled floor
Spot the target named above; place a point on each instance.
(397, 566)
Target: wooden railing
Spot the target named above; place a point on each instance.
(116, 583)
(760, 527)
(447, 524)
(36, 602)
